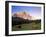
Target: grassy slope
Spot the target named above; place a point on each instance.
(30, 26)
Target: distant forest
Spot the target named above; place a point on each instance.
(19, 21)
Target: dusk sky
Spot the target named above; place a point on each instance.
(32, 10)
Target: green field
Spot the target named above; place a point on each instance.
(29, 26)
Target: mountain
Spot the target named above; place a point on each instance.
(21, 18)
(25, 15)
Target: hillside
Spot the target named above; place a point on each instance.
(25, 24)
(18, 20)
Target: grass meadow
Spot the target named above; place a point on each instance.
(29, 26)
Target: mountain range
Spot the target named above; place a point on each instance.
(25, 15)
(21, 18)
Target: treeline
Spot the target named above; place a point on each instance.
(19, 21)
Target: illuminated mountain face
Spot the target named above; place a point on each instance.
(25, 15)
